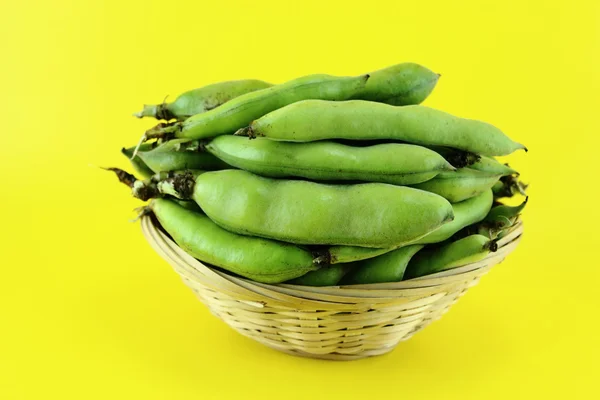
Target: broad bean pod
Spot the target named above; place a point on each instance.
(262, 260)
(452, 255)
(459, 185)
(399, 85)
(327, 276)
(197, 101)
(368, 214)
(398, 164)
(466, 213)
(389, 267)
(138, 165)
(180, 154)
(242, 110)
(312, 120)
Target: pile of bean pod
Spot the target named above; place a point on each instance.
(325, 180)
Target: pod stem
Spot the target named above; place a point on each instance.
(510, 186)
(158, 111)
(246, 131)
(462, 159)
(149, 110)
(458, 158)
(493, 228)
(512, 181)
(163, 130)
(180, 185)
(124, 176)
(143, 190)
(193, 146)
(321, 257)
(521, 187)
(492, 246)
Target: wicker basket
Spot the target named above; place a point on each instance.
(336, 323)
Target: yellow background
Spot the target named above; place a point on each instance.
(88, 310)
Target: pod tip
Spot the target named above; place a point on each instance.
(123, 176)
(126, 152)
(510, 170)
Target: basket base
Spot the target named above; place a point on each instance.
(339, 323)
(338, 357)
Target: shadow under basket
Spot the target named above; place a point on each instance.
(335, 322)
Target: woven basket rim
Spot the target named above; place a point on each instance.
(193, 268)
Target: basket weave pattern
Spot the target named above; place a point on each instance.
(337, 322)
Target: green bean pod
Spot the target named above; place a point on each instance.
(180, 154)
(459, 185)
(461, 159)
(350, 254)
(368, 214)
(492, 166)
(456, 254)
(188, 205)
(200, 100)
(312, 120)
(398, 164)
(489, 230)
(242, 110)
(399, 85)
(261, 260)
(495, 224)
(466, 213)
(138, 165)
(389, 267)
(327, 276)
(502, 211)
(501, 190)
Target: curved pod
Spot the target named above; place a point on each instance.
(461, 252)
(197, 101)
(368, 214)
(259, 259)
(466, 213)
(312, 120)
(398, 164)
(459, 185)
